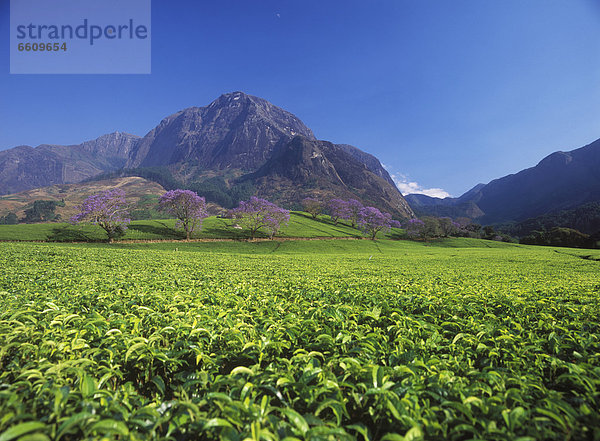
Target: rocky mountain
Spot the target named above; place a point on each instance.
(306, 167)
(235, 145)
(369, 160)
(561, 181)
(235, 131)
(113, 149)
(24, 167)
(424, 205)
(421, 200)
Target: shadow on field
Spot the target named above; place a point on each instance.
(396, 236)
(327, 221)
(68, 234)
(163, 231)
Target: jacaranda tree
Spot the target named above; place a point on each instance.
(353, 211)
(187, 207)
(371, 221)
(415, 228)
(107, 210)
(425, 228)
(312, 206)
(255, 214)
(338, 209)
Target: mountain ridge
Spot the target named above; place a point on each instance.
(562, 180)
(229, 140)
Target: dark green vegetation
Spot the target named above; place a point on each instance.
(214, 189)
(9, 219)
(332, 339)
(585, 218)
(300, 225)
(560, 237)
(42, 211)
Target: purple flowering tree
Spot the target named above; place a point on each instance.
(187, 207)
(448, 227)
(256, 214)
(312, 206)
(426, 228)
(338, 209)
(107, 210)
(371, 221)
(353, 212)
(415, 228)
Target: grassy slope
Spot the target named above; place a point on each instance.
(300, 225)
(74, 194)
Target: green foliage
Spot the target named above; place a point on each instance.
(585, 218)
(559, 237)
(146, 208)
(9, 219)
(216, 190)
(416, 341)
(42, 211)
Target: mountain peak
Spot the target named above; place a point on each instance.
(233, 98)
(235, 131)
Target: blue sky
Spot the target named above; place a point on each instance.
(446, 94)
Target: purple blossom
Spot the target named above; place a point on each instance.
(414, 227)
(371, 221)
(187, 207)
(338, 209)
(107, 210)
(257, 213)
(353, 212)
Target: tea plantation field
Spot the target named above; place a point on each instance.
(299, 340)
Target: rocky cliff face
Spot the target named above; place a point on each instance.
(306, 167)
(369, 160)
(234, 131)
(25, 167)
(114, 148)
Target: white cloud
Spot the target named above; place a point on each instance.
(410, 187)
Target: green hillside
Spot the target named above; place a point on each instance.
(300, 225)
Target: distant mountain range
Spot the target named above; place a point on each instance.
(242, 145)
(236, 146)
(25, 167)
(561, 181)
